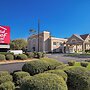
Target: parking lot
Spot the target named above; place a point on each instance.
(65, 59)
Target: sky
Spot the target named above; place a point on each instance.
(61, 17)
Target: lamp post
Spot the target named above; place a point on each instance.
(38, 33)
(33, 31)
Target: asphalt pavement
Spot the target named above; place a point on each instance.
(65, 59)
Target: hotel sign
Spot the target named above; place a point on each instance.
(4, 34)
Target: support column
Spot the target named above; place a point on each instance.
(67, 50)
(83, 47)
(76, 49)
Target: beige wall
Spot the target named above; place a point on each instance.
(45, 43)
(59, 44)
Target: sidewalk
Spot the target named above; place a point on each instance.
(15, 61)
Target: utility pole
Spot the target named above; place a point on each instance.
(38, 33)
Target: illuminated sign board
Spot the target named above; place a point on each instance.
(5, 34)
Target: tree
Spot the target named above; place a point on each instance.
(18, 44)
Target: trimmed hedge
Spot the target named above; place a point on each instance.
(84, 64)
(59, 73)
(39, 55)
(5, 78)
(30, 54)
(4, 73)
(61, 67)
(9, 57)
(21, 57)
(52, 63)
(7, 86)
(71, 63)
(35, 67)
(2, 57)
(78, 78)
(39, 66)
(44, 81)
(18, 76)
(5, 53)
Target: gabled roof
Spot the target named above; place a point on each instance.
(84, 36)
(78, 36)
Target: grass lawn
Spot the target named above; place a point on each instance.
(78, 64)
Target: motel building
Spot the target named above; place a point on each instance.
(4, 38)
(47, 43)
(78, 43)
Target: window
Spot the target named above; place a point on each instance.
(54, 43)
(61, 44)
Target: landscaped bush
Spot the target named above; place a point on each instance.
(59, 73)
(71, 63)
(9, 57)
(78, 79)
(87, 51)
(7, 86)
(30, 54)
(18, 76)
(84, 64)
(43, 54)
(5, 53)
(52, 63)
(39, 54)
(35, 67)
(61, 67)
(39, 66)
(35, 54)
(2, 57)
(21, 57)
(5, 78)
(45, 81)
(4, 73)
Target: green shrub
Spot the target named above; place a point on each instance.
(61, 67)
(9, 57)
(18, 76)
(52, 63)
(2, 57)
(35, 54)
(78, 79)
(5, 53)
(30, 54)
(35, 67)
(5, 78)
(21, 57)
(39, 66)
(84, 64)
(7, 86)
(39, 54)
(4, 73)
(71, 63)
(43, 54)
(45, 81)
(25, 79)
(59, 73)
